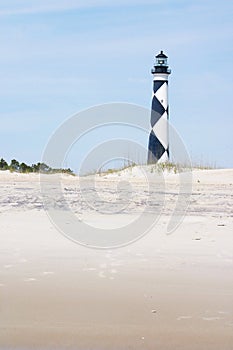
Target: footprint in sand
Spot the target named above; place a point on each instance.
(30, 279)
(8, 266)
(184, 318)
(46, 273)
(107, 273)
(101, 274)
(212, 318)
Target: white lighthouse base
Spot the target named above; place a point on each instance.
(164, 158)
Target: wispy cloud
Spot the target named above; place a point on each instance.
(24, 7)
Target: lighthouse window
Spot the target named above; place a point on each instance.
(161, 61)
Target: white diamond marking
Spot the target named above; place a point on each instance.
(161, 130)
(161, 95)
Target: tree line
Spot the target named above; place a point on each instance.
(15, 166)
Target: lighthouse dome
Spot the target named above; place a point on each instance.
(161, 55)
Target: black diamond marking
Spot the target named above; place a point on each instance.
(158, 84)
(156, 149)
(155, 116)
(157, 111)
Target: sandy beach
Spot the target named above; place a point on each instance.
(165, 292)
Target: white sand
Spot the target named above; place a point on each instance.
(165, 292)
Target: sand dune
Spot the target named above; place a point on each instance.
(161, 292)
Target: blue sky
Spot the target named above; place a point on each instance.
(60, 57)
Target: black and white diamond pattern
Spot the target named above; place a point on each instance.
(158, 141)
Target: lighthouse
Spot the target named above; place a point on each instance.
(158, 148)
